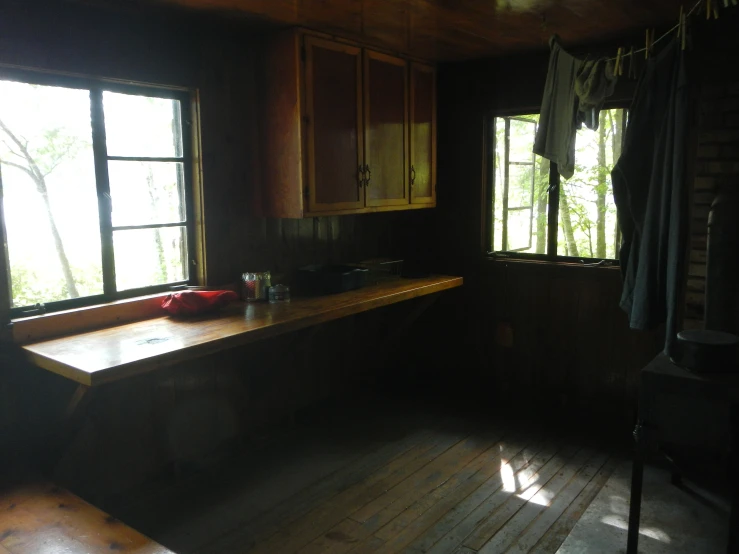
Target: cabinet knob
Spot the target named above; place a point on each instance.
(369, 175)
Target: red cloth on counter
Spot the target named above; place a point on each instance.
(193, 302)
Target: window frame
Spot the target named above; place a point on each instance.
(96, 87)
(553, 204)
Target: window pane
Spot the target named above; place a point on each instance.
(520, 185)
(587, 213)
(148, 257)
(522, 139)
(50, 197)
(142, 126)
(520, 230)
(144, 193)
(522, 233)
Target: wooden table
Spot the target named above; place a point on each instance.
(37, 516)
(661, 376)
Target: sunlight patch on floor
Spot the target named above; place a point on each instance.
(506, 475)
(542, 498)
(651, 532)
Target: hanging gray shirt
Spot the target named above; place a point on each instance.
(558, 120)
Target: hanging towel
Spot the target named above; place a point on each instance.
(555, 135)
(649, 187)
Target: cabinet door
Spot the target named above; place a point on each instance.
(386, 129)
(333, 108)
(423, 134)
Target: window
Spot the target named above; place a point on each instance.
(95, 182)
(536, 214)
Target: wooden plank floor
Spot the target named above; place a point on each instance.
(443, 485)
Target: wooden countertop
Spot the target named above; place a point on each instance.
(106, 355)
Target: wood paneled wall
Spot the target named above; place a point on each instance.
(557, 338)
(139, 427)
(571, 346)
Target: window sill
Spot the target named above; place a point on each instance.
(614, 265)
(77, 320)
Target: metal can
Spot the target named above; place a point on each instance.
(266, 284)
(279, 293)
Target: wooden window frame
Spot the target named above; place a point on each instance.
(551, 254)
(189, 130)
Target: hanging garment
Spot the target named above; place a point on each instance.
(555, 135)
(649, 188)
(594, 83)
(574, 94)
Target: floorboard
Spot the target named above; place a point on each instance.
(594, 469)
(418, 481)
(686, 519)
(422, 516)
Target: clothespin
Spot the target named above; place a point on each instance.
(632, 66)
(684, 28)
(649, 41)
(618, 62)
(646, 46)
(680, 23)
(715, 10)
(708, 9)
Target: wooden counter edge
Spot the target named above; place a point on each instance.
(146, 365)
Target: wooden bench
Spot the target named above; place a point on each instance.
(40, 517)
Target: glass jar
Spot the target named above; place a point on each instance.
(254, 285)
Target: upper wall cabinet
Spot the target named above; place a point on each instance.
(423, 134)
(333, 126)
(386, 131)
(345, 130)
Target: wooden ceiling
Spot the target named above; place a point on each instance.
(445, 30)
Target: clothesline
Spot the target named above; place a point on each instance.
(662, 37)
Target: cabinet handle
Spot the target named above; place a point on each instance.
(413, 175)
(369, 175)
(360, 175)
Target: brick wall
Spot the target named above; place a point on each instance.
(717, 167)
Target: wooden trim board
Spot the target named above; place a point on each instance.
(107, 355)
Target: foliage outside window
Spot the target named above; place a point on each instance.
(95, 189)
(528, 197)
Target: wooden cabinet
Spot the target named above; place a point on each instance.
(345, 130)
(386, 132)
(423, 134)
(333, 126)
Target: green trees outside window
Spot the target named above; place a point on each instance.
(526, 196)
(94, 181)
